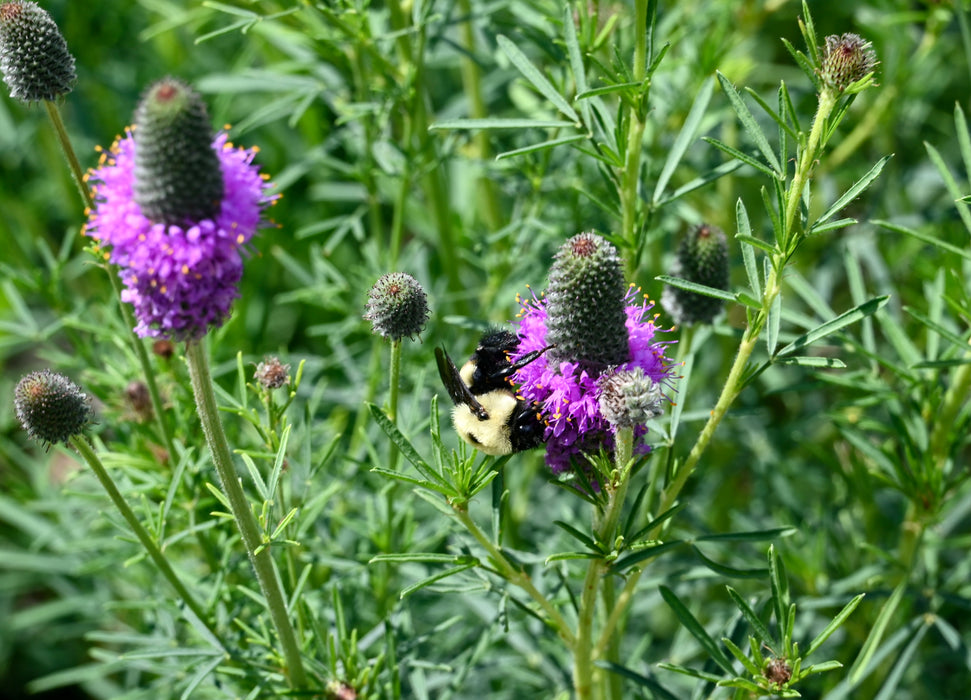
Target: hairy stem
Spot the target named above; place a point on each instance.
(256, 546)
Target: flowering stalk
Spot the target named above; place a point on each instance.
(257, 546)
(630, 198)
(834, 83)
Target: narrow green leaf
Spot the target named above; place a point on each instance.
(575, 53)
(659, 520)
(845, 319)
(754, 242)
(833, 625)
(413, 480)
(739, 155)
(877, 631)
(822, 667)
(658, 692)
(819, 227)
(742, 657)
(749, 535)
(255, 475)
(925, 237)
(691, 624)
(964, 138)
(435, 578)
(773, 322)
(694, 673)
(853, 192)
(426, 557)
(407, 449)
(532, 74)
(686, 136)
(607, 90)
(777, 117)
(749, 301)
(751, 126)
(640, 555)
(584, 539)
(748, 253)
(818, 362)
(696, 288)
(700, 181)
(759, 630)
(940, 330)
(545, 145)
(889, 689)
(952, 186)
(569, 556)
(780, 592)
(729, 571)
(499, 123)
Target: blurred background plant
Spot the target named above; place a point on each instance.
(361, 112)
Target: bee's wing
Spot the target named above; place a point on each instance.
(458, 391)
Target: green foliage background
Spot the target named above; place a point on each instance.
(319, 88)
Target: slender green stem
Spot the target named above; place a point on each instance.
(395, 378)
(80, 444)
(585, 655)
(72, 159)
(807, 160)
(955, 398)
(257, 547)
(630, 183)
(615, 683)
(472, 85)
(515, 576)
(583, 651)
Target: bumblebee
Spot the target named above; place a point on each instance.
(488, 414)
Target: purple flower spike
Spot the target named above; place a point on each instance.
(181, 280)
(568, 391)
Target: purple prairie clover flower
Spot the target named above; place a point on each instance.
(569, 391)
(180, 279)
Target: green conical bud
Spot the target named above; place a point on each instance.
(34, 59)
(177, 175)
(702, 258)
(586, 320)
(629, 397)
(846, 59)
(397, 306)
(51, 407)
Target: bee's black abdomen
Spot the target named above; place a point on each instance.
(527, 428)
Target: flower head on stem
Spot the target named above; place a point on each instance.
(598, 326)
(177, 238)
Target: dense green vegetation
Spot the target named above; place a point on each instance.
(463, 143)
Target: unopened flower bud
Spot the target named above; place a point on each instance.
(629, 398)
(271, 373)
(702, 258)
(397, 306)
(777, 672)
(34, 58)
(846, 59)
(140, 400)
(585, 304)
(164, 348)
(51, 407)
